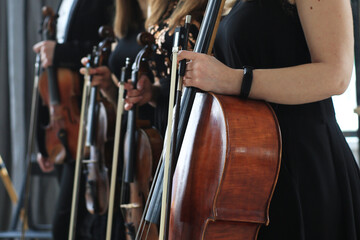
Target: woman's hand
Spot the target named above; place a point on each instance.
(46, 50)
(209, 74)
(44, 163)
(141, 95)
(101, 77)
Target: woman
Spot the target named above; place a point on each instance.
(164, 17)
(301, 54)
(128, 23)
(161, 23)
(76, 32)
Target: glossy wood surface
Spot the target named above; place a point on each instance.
(149, 144)
(227, 169)
(63, 116)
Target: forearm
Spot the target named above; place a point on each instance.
(300, 84)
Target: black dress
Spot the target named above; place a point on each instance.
(318, 191)
(160, 62)
(128, 47)
(81, 35)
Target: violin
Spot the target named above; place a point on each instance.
(99, 134)
(59, 89)
(142, 149)
(97, 116)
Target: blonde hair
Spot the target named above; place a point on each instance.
(184, 7)
(228, 6)
(127, 15)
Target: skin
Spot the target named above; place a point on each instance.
(107, 82)
(328, 74)
(44, 163)
(46, 50)
(328, 29)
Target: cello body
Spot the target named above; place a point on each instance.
(227, 169)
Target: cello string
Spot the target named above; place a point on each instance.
(147, 233)
(142, 224)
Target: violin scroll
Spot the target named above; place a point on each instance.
(145, 38)
(104, 47)
(49, 23)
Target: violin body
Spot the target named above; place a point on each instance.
(100, 133)
(227, 169)
(142, 150)
(61, 133)
(149, 147)
(97, 185)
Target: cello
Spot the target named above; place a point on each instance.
(228, 160)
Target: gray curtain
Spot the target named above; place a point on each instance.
(5, 116)
(19, 26)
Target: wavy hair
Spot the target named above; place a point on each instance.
(157, 9)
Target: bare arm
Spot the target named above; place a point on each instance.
(327, 25)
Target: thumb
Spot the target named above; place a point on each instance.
(37, 47)
(84, 61)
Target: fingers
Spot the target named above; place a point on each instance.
(133, 99)
(143, 80)
(37, 47)
(103, 70)
(133, 96)
(128, 86)
(46, 50)
(128, 106)
(92, 71)
(44, 164)
(187, 55)
(84, 61)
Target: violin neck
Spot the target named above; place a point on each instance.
(131, 138)
(53, 86)
(131, 146)
(92, 112)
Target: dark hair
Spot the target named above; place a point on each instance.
(128, 16)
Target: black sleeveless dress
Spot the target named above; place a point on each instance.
(318, 192)
(128, 47)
